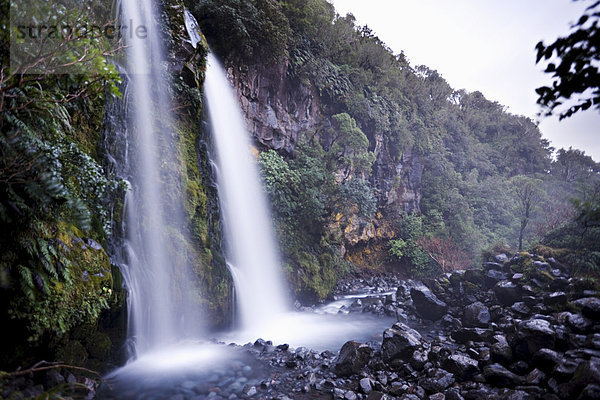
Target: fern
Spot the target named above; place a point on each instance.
(46, 258)
(26, 282)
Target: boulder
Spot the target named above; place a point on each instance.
(475, 276)
(501, 352)
(400, 341)
(437, 380)
(501, 258)
(556, 299)
(588, 372)
(427, 304)
(462, 366)
(365, 385)
(352, 358)
(590, 307)
(497, 375)
(535, 334)
(492, 266)
(464, 335)
(493, 276)
(507, 293)
(476, 315)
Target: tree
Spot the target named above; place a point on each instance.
(529, 195)
(573, 165)
(443, 252)
(573, 63)
(349, 147)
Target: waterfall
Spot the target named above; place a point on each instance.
(154, 267)
(252, 251)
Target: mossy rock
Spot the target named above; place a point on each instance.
(68, 302)
(475, 276)
(99, 345)
(546, 251)
(73, 353)
(456, 278)
(523, 264)
(471, 287)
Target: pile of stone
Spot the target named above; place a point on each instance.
(519, 328)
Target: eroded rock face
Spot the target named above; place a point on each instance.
(279, 110)
(276, 110)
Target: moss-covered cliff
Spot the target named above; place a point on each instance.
(62, 203)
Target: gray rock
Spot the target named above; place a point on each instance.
(476, 315)
(535, 377)
(493, 276)
(590, 392)
(377, 396)
(520, 308)
(594, 341)
(352, 358)
(464, 335)
(350, 395)
(427, 304)
(546, 359)
(590, 307)
(578, 323)
(497, 375)
(400, 341)
(453, 394)
(507, 293)
(501, 258)
(535, 334)
(93, 244)
(250, 391)
(501, 352)
(463, 367)
(492, 266)
(565, 370)
(474, 276)
(437, 396)
(365, 385)
(587, 373)
(437, 381)
(418, 359)
(556, 299)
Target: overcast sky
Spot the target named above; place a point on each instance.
(485, 45)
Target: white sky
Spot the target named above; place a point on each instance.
(485, 45)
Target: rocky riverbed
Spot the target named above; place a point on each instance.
(518, 328)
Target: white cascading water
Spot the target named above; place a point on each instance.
(253, 254)
(152, 273)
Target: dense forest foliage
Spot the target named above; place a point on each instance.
(489, 181)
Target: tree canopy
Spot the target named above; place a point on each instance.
(574, 62)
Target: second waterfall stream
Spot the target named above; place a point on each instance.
(253, 254)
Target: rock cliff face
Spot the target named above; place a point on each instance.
(279, 110)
